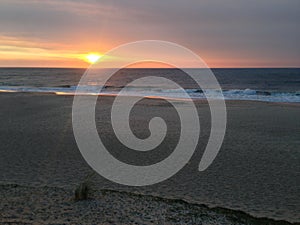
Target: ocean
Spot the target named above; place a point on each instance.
(270, 85)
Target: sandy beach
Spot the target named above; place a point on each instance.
(149, 112)
(255, 175)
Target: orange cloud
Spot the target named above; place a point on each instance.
(14, 51)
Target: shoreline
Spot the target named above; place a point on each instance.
(158, 98)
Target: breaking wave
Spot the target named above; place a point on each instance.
(233, 94)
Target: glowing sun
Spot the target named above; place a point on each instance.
(92, 57)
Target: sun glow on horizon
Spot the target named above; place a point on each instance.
(92, 57)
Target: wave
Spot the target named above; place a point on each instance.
(145, 91)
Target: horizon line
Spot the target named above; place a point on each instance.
(52, 67)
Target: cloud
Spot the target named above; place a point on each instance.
(233, 30)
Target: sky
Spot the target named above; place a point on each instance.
(224, 33)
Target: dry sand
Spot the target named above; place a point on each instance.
(256, 171)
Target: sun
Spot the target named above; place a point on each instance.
(92, 57)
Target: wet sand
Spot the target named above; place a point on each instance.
(256, 171)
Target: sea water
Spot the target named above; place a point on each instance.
(270, 85)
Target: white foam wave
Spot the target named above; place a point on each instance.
(234, 94)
